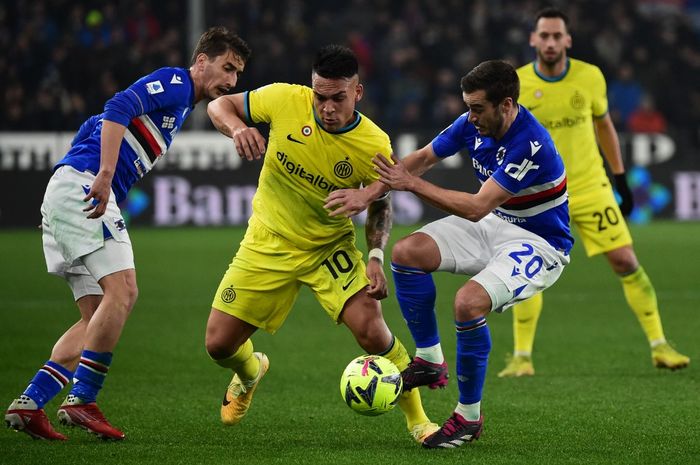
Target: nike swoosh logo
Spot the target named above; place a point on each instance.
(225, 402)
(533, 107)
(290, 138)
(614, 238)
(345, 288)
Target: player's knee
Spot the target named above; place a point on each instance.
(470, 305)
(418, 251)
(373, 336)
(623, 260)
(407, 252)
(218, 347)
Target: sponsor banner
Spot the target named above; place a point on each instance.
(201, 181)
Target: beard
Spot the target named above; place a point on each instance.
(549, 60)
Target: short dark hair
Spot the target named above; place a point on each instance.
(335, 61)
(217, 41)
(551, 12)
(497, 77)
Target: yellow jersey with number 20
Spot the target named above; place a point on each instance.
(566, 105)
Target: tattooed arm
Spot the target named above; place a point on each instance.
(377, 230)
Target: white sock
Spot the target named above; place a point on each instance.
(432, 354)
(471, 412)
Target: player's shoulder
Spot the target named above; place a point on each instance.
(283, 94)
(284, 88)
(530, 129)
(370, 127)
(526, 70)
(583, 70)
(165, 81)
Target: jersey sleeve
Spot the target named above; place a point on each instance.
(598, 93)
(263, 103)
(385, 149)
(451, 139)
(162, 88)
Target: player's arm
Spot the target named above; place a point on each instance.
(98, 195)
(470, 206)
(228, 115)
(610, 146)
(377, 230)
(350, 202)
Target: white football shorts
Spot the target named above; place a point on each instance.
(511, 263)
(74, 246)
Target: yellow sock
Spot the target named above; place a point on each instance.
(409, 403)
(641, 297)
(525, 317)
(242, 362)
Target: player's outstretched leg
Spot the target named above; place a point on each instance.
(24, 415)
(239, 394)
(418, 423)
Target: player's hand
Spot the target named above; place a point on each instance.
(98, 195)
(393, 175)
(249, 143)
(347, 202)
(627, 200)
(377, 280)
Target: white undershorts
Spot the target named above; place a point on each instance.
(74, 246)
(511, 263)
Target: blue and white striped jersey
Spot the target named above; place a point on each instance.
(153, 109)
(524, 162)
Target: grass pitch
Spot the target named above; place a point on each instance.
(595, 399)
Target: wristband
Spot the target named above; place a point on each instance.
(376, 253)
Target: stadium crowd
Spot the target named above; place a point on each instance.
(62, 59)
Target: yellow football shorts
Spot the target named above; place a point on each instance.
(264, 278)
(599, 221)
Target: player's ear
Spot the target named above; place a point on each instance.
(359, 92)
(201, 59)
(567, 42)
(533, 36)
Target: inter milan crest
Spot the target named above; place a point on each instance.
(228, 295)
(343, 169)
(578, 101)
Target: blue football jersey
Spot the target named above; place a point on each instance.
(153, 109)
(525, 163)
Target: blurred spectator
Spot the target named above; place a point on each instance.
(624, 95)
(646, 118)
(68, 54)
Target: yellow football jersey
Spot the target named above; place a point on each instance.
(566, 106)
(304, 163)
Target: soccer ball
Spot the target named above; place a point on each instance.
(371, 385)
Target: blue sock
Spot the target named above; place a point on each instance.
(90, 375)
(415, 291)
(473, 347)
(48, 381)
